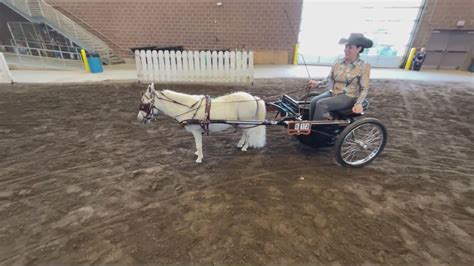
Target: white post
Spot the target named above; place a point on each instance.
(197, 67)
(5, 74)
(232, 66)
(149, 65)
(161, 65)
(202, 61)
(138, 65)
(220, 65)
(179, 66)
(167, 65)
(214, 66)
(185, 66)
(191, 66)
(238, 66)
(250, 67)
(208, 66)
(245, 69)
(227, 66)
(156, 69)
(173, 65)
(143, 62)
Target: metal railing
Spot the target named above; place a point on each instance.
(63, 23)
(46, 45)
(41, 57)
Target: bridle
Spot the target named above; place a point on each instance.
(148, 108)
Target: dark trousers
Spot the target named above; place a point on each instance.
(321, 105)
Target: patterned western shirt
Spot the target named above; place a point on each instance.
(351, 79)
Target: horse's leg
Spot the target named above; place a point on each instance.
(198, 139)
(246, 143)
(241, 141)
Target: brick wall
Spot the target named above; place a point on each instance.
(258, 25)
(444, 14)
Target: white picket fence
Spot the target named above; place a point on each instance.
(5, 75)
(194, 66)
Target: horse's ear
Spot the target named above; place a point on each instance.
(152, 86)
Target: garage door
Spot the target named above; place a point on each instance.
(390, 24)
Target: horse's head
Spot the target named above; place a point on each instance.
(147, 110)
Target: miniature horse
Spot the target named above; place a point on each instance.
(189, 109)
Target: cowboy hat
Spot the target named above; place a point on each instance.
(357, 39)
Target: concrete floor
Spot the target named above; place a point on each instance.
(127, 72)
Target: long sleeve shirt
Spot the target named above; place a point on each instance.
(351, 79)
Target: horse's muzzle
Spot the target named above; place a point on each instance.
(146, 113)
(146, 108)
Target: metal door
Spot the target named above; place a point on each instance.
(448, 49)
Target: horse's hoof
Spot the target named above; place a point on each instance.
(199, 161)
(244, 149)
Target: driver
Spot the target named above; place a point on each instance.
(348, 81)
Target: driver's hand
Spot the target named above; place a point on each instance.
(313, 83)
(357, 108)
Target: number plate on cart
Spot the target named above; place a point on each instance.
(299, 127)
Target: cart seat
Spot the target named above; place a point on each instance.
(347, 112)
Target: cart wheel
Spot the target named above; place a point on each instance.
(361, 142)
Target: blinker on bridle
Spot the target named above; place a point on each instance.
(147, 108)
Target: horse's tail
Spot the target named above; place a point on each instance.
(257, 136)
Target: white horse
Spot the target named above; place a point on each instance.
(239, 106)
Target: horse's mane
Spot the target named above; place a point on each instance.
(185, 98)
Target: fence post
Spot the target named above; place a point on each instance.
(138, 65)
(226, 67)
(149, 65)
(251, 67)
(232, 66)
(238, 66)
(179, 65)
(144, 67)
(156, 70)
(5, 73)
(197, 68)
(161, 66)
(202, 61)
(191, 66)
(185, 66)
(173, 65)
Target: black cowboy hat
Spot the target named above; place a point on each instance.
(357, 39)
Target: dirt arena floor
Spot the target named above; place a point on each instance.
(81, 181)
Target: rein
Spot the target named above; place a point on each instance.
(168, 99)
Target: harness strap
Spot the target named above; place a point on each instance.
(197, 109)
(168, 99)
(256, 101)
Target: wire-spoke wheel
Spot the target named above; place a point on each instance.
(361, 142)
